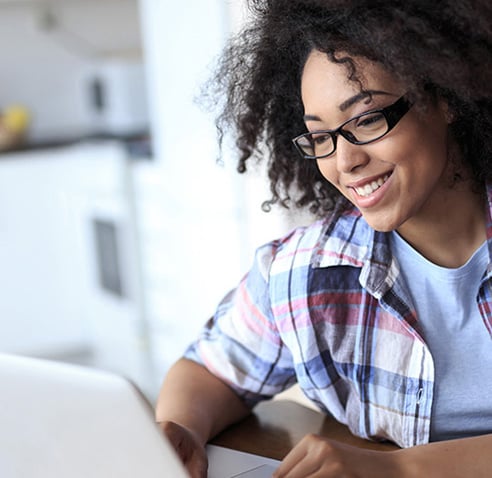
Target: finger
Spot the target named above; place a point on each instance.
(310, 456)
(197, 467)
(302, 469)
(174, 434)
(295, 456)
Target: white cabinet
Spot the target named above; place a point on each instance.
(54, 301)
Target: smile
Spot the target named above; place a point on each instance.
(369, 188)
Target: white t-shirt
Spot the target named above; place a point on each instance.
(452, 327)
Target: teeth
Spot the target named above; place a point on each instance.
(369, 188)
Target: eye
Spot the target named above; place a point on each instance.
(370, 121)
(319, 139)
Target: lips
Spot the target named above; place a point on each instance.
(368, 188)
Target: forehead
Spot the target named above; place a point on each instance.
(324, 79)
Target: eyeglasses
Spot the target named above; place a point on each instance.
(362, 129)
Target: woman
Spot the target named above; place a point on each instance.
(381, 310)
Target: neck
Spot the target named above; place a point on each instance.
(449, 234)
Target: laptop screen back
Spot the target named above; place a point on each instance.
(59, 420)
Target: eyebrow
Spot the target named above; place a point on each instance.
(350, 102)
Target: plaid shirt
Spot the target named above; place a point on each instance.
(326, 307)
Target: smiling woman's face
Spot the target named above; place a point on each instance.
(394, 179)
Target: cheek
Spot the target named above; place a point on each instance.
(430, 153)
(327, 168)
(430, 140)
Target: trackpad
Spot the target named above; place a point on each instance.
(262, 471)
(227, 463)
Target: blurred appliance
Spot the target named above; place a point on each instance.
(115, 91)
(69, 257)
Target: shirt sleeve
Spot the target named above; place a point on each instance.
(241, 343)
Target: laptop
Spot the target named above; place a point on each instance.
(61, 420)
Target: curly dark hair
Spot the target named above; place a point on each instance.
(439, 48)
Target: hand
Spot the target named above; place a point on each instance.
(188, 447)
(320, 457)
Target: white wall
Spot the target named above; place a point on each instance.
(188, 206)
(200, 222)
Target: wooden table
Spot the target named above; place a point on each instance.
(276, 426)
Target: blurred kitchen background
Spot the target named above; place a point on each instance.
(119, 232)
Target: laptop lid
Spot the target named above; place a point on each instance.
(60, 420)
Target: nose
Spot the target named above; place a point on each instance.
(350, 157)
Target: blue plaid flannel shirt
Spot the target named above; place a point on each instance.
(326, 307)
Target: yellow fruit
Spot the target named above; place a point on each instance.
(15, 118)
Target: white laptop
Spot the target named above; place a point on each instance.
(60, 420)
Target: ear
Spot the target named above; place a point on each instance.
(446, 111)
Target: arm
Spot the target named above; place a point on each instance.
(193, 406)
(450, 459)
(317, 456)
(198, 400)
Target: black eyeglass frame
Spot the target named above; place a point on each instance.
(392, 113)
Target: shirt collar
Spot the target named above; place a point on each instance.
(347, 240)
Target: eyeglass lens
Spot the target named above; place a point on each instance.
(363, 129)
